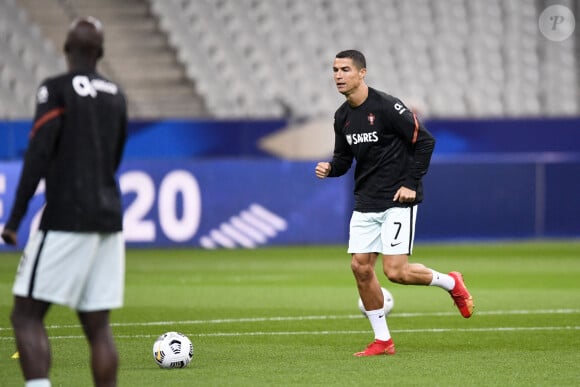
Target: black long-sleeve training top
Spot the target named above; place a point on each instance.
(391, 148)
(76, 145)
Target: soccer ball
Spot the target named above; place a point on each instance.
(172, 350)
(388, 305)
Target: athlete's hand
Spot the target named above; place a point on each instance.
(405, 195)
(322, 169)
(9, 236)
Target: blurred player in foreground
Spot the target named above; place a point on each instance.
(77, 258)
(392, 151)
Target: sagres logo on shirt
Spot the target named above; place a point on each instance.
(358, 138)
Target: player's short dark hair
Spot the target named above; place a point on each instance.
(357, 57)
(85, 36)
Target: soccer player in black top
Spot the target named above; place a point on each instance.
(77, 258)
(392, 150)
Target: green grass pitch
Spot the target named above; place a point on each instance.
(289, 316)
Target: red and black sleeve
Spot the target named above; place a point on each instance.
(43, 139)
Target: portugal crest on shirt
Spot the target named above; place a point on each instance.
(371, 118)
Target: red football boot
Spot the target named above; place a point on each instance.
(461, 296)
(378, 347)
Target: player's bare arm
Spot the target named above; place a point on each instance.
(405, 195)
(9, 236)
(322, 169)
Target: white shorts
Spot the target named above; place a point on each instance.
(85, 271)
(391, 232)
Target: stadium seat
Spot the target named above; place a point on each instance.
(26, 59)
(454, 55)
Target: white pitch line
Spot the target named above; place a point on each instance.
(346, 317)
(317, 333)
(429, 330)
(314, 318)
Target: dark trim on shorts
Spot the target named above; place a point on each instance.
(411, 232)
(35, 266)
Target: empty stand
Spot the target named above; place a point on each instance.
(269, 58)
(26, 59)
(136, 53)
(450, 57)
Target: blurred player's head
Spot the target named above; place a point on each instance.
(349, 71)
(84, 43)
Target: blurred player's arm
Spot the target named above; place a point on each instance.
(122, 140)
(43, 138)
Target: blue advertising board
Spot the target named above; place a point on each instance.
(208, 185)
(231, 203)
(215, 204)
(178, 139)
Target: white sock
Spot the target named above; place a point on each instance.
(442, 280)
(37, 383)
(378, 322)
